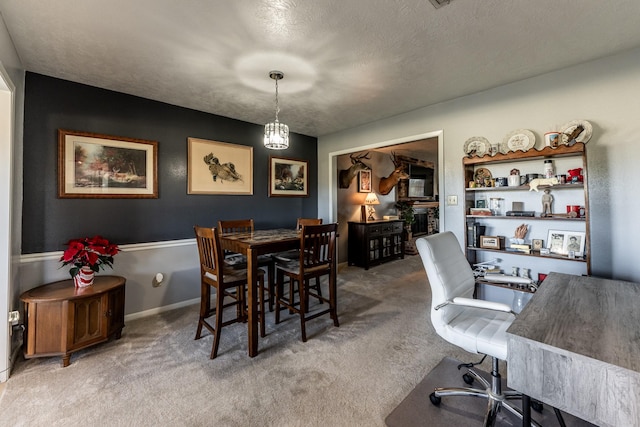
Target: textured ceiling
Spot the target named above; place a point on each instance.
(345, 62)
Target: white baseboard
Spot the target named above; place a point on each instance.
(159, 310)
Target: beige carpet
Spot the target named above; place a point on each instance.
(158, 375)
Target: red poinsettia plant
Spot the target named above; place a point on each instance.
(95, 252)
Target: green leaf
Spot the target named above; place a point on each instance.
(74, 271)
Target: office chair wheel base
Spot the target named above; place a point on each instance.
(435, 399)
(536, 405)
(467, 379)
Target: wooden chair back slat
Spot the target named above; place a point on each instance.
(307, 221)
(236, 226)
(317, 244)
(209, 250)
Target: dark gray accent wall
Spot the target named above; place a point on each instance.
(49, 222)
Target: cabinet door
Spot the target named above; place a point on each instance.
(115, 311)
(87, 321)
(374, 249)
(44, 328)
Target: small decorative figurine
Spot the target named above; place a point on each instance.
(547, 200)
(521, 231)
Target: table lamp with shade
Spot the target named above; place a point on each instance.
(367, 208)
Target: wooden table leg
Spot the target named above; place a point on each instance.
(252, 270)
(333, 289)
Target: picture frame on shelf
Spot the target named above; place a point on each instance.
(288, 177)
(215, 167)
(564, 242)
(364, 181)
(574, 243)
(537, 244)
(555, 241)
(492, 242)
(92, 165)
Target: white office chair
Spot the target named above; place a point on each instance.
(475, 325)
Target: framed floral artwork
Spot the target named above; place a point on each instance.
(288, 177)
(92, 165)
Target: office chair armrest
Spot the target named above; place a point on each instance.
(479, 303)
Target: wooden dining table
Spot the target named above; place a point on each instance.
(251, 245)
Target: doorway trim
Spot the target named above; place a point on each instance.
(7, 123)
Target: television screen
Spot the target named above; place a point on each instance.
(420, 181)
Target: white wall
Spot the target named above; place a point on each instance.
(604, 92)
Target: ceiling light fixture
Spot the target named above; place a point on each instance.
(276, 134)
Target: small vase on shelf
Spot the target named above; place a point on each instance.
(84, 278)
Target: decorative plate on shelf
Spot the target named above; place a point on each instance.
(519, 139)
(568, 129)
(477, 146)
(482, 174)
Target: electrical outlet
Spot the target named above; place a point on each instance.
(14, 317)
(452, 200)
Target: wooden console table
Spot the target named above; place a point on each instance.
(62, 319)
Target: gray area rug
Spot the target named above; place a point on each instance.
(416, 409)
(158, 375)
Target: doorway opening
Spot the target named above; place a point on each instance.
(346, 202)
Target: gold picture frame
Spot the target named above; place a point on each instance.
(215, 167)
(92, 165)
(288, 177)
(492, 242)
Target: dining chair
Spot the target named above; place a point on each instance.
(227, 282)
(316, 258)
(475, 325)
(240, 261)
(293, 255)
(307, 221)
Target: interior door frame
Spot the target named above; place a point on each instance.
(7, 123)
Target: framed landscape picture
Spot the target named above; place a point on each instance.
(92, 165)
(288, 177)
(219, 168)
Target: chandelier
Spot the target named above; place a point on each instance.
(276, 134)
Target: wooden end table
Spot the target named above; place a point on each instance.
(61, 319)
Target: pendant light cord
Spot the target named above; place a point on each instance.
(277, 106)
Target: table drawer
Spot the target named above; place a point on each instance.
(385, 229)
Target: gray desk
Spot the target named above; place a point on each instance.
(576, 346)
